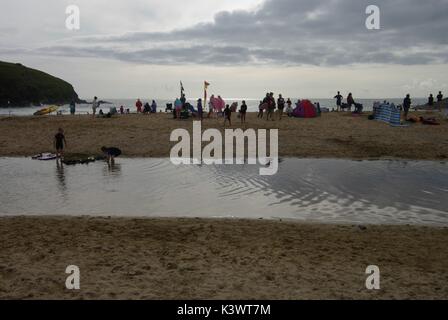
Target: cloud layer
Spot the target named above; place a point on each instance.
(284, 32)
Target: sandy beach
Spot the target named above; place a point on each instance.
(218, 259)
(334, 135)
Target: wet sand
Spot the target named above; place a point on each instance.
(218, 259)
(334, 135)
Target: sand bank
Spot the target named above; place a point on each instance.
(334, 135)
(218, 259)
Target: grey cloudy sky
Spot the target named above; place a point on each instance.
(303, 48)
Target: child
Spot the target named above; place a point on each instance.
(227, 115)
(110, 154)
(59, 142)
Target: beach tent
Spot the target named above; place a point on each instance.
(387, 113)
(305, 109)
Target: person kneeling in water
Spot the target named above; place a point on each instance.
(110, 154)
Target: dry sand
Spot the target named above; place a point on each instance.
(334, 135)
(218, 259)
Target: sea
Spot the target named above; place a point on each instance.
(161, 103)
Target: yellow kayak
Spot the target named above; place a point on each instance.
(46, 110)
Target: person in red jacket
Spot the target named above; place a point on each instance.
(139, 105)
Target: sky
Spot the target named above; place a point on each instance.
(244, 48)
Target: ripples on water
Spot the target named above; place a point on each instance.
(315, 190)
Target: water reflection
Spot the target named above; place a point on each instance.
(112, 169)
(60, 175)
(307, 189)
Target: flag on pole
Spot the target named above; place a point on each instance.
(181, 89)
(206, 84)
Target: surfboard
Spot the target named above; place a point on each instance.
(44, 156)
(46, 110)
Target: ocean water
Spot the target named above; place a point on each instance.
(322, 190)
(130, 103)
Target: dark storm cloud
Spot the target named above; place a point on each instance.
(290, 32)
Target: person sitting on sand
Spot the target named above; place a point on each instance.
(227, 115)
(110, 154)
(59, 143)
(146, 108)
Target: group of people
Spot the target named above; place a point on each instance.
(145, 108)
(60, 143)
(350, 101)
(269, 104)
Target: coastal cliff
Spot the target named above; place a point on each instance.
(23, 86)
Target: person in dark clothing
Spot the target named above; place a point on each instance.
(243, 110)
(59, 143)
(227, 115)
(200, 110)
(281, 106)
(260, 110)
(271, 106)
(338, 98)
(406, 106)
(350, 101)
(72, 107)
(430, 100)
(440, 96)
(110, 154)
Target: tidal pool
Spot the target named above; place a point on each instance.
(323, 190)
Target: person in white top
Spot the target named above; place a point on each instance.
(94, 105)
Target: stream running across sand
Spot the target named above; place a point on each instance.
(325, 190)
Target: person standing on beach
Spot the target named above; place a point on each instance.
(211, 106)
(243, 110)
(72, 107)
(281, 106)
(227, 115)
(178, 108)
(440, 97)
(350, 101)
(95, 105)
(430, 100)
(59, 143)
(406, 106)
(153, 107)
(338, 98)
(271, 107)
(139, 106)
(289, 107)
(260, 110)
(199, 108)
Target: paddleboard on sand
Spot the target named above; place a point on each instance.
(46, 110)
(44, 156)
